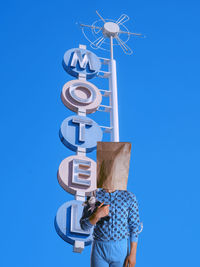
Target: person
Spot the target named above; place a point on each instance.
(115, 219)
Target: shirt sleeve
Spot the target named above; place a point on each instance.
(84, 221)
(133, 220)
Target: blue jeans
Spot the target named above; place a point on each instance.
(109, 253)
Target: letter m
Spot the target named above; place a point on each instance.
(82, 60)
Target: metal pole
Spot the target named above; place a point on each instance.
(114, 119)
(111, 47)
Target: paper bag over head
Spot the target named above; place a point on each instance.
(113, 165)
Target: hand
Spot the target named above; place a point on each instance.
(102, 211)
(130, 260)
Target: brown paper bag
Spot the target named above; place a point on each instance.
(113, 165)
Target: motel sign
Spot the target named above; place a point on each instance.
(77, 173)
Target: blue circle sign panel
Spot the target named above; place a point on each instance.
(80, 131)
(67, 223)
(81, 61)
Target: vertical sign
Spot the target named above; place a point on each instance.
(79, 133)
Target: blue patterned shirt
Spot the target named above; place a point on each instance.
(124, 217)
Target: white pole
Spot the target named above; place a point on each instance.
(114, 119)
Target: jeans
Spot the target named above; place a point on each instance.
(109, 253)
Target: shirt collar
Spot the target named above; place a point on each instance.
(113, 193)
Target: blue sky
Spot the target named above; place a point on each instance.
(158, 89)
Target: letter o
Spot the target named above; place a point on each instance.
(87, 91)
(81, 95)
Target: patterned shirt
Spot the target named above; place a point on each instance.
(124, 217)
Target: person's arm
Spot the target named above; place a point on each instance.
(134, 224)
(131, 258)
(99, 213)
(87, 220)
